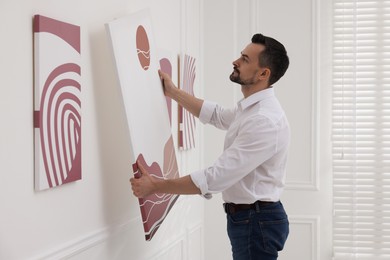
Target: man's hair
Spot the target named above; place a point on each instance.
(274, 56)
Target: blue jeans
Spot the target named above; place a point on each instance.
(258, 234)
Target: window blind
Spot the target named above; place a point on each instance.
(361, 129)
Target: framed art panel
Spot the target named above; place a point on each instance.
(187, 122)
(57, 102)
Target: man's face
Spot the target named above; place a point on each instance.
(246, 67)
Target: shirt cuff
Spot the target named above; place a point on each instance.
(207, 111)
(199, 179)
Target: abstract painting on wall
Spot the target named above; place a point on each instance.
(187, 125)
(137, 65)
(57, 104)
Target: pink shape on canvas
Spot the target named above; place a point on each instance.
(155, 207)
(166, 67)
(143, 48)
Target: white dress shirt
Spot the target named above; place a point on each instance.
(253, 164)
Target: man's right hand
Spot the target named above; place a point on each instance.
(167, 83)
(189, 102)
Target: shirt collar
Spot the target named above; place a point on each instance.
(256, 97)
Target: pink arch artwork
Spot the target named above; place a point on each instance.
(57, 113)
(166, 66)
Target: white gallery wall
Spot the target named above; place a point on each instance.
(97, 217)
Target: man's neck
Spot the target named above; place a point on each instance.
(250, 90)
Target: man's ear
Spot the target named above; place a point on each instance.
(264, 73)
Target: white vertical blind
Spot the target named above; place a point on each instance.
(361, 129)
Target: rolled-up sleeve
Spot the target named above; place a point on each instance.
(200, 181)
(212, 113)
(207, 111)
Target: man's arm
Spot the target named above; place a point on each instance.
(189, 102)
(147, 185)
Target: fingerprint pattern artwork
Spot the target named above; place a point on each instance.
(186, 119)
(57, 104)
(155, 207)
(150, 143)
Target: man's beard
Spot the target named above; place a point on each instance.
(237, 79)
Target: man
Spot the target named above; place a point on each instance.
(250, 172)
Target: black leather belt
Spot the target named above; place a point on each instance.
(232, 208)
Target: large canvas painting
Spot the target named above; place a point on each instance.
(186, 119)
(57, 103)
(137, 65)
